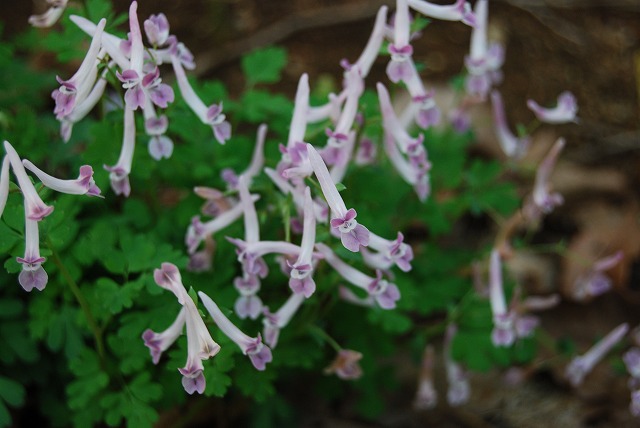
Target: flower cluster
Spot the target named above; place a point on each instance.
(138, 70)
(33, 274)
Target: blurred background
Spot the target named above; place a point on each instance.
(590, 47)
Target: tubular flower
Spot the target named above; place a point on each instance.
(389, 253)
(582, 365)
(346, 365)
(385, 293)
(399, 68)
(258, 353)
(257, 162)
(459, 11)
(160, 342)
(51, 15)
(83, 185)
(119, 173)
(427, 112)
(416, 175)
(542, 201)
(274, 322)
(349, 296)
(160, 146)
(301, 280)
(76, 89)
(352, 234)
(33, 274)
(594, 282)
(248, 305)
(250, 254)
(484, 62)
(459, 390)
(82, 108)
(511, 145)
(139, 85)
(200, 344)
(503, 333)
(298, 196)
(371, 50)
(211, 115)
(426, 396)
(35, 208)
(298, 125)
(197, 231)
(564, 112)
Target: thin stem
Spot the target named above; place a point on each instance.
(325, 336)
(82, 301)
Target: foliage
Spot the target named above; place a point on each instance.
(82, 334)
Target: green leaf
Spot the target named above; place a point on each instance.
(11, 392)
(5, 417)
(264, 65)
(90, 381)
(256, 384)
(114, 297)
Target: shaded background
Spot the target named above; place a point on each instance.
(590, 47)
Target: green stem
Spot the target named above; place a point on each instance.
(325, 336)
(82, 301)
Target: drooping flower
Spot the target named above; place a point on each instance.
(83, 185)
(200, 344)
(511, 145)
(594, 282)
(416, 174)
(459, 390)
(248, 305)
(119, 173)
(564, 112)
(274, 322)
(459, 11)
(33, 274)
(385, 293)
(76, 89)
(503, 333)
(211, 115)
(426, 396)
(258, 353)
(483, 62)
(352, 234)
(389, 253)
(346, 365)
(399, 68)
(51, 15)
(250, 254)
(582, 365)
(301, 279)
(160, 342)
(349, 296)
(35, 208)
(542, 201)
(83, 107)
(197, 231)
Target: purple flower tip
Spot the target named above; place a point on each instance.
(30, 279)
(194, 382)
